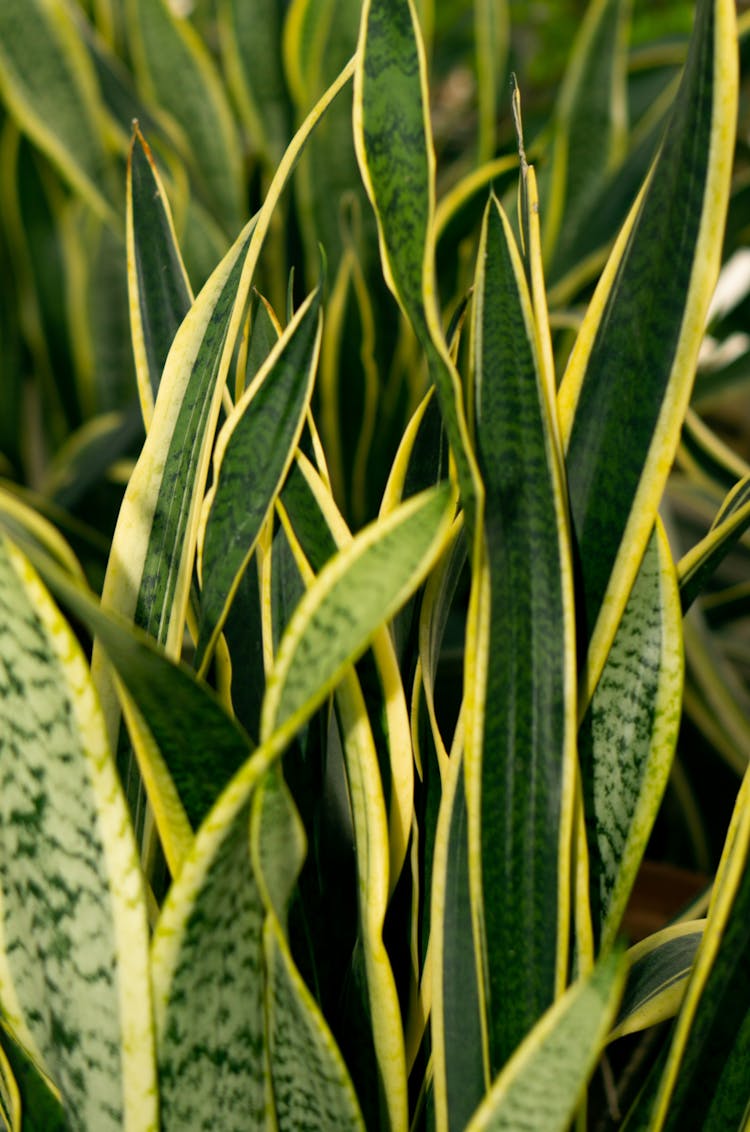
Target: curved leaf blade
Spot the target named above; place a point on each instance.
(50, 87)
(355, 593)
(658, 971)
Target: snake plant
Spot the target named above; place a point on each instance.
(370, 552)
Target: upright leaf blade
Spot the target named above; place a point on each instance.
(627, 385)
(158, 286)
(541, 1086)
(253, 453)
(393, 137)
(520, 740)
(628, 737)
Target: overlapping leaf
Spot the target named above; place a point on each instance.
(73, 904)
(628, 380)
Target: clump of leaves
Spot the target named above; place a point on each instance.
(338, 824)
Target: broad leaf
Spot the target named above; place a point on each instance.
(73, 903)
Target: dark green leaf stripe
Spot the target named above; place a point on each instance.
(542, 1085)
(358, 591)
(159, 289)
(70, 884)
(628, 381)
(48, 83)
(253, 453)
(528, 670)
(627, 739)
(312, 1090)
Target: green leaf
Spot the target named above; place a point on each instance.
(250, 39)
(207, 965)
(40, 1104)
(393, 138)
(175, 69)
(521, 714)
(697, 567)
(458, 1041)
(252, 455)
(658, 969)
(181, 715)
(704, 1083)
(311, 1086)
(355, 593)
(627, 385)
(74, 919)
(591, 119)
(372, 850)
(151, 560)
(628, 737)
(542, 1084)
(158, 286)
(50, 87)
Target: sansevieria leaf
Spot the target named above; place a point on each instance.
(704, 1080)
(253, 452)
(628, 381)
(542, 1084)
(393, 137)
(352, 596)
(70, 884)
(628, 737)
(521, 722)
(48, 82)
(158, 287)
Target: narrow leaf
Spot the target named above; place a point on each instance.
(253, 452)
(49, 85)
(158, 286)
(520, 742)
(175, 70)
(628, 737)
(659, 968)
